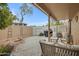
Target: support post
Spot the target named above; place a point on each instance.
(70, 39)
(49, 28)
(69, 26)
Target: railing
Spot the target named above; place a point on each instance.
(58, 50)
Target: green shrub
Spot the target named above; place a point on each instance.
(41, 34)
(6, 49)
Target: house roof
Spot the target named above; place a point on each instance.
(59, 10)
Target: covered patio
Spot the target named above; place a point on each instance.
(61, 11)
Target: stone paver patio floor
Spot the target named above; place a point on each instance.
(29, 47)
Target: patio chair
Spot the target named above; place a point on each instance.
(51, 49)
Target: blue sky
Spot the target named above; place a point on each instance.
(37, 18)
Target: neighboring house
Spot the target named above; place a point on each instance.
(20, 24)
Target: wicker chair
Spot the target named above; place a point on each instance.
(51, 49)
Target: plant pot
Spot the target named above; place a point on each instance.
(46, 33)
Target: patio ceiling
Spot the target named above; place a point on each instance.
(59, 10)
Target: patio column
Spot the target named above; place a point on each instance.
(69, 26)
(70, 40)
(49, 28)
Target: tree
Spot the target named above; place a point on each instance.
(58, 23)
(6, 17)
(25, 9)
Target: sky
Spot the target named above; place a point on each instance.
(37, 18)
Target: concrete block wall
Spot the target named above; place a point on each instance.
(12, 34)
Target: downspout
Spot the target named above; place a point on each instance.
(49, 40)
